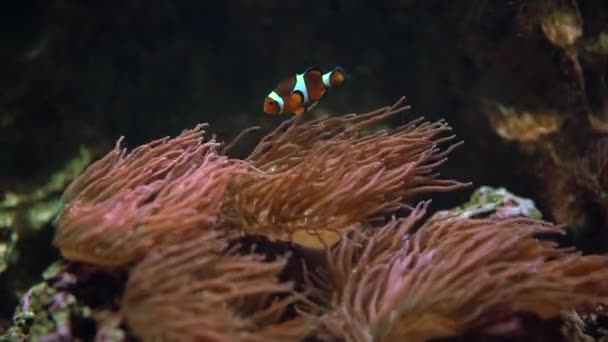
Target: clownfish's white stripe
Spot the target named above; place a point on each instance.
(301, 87)
(327, 79)
(273, 95)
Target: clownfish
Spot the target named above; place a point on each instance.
(300, 92)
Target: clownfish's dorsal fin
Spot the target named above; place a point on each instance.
(315, 69)
(285, 87)
(338, 68)
(314, 84)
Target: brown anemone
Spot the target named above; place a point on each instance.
(452, 276)
(127, 203)
(197, 290)
(319, 178)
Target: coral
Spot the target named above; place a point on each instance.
(563, 27)
(23, 212)
(322, 177)
(8, 250)
(538, 99)
(496, 203)
(207, 294)
(569, 175)
(587, 206)
(26, 213)
(125, 203)
(452, 276)
(591, 171)
(71, 303)
(591, 326)
(526, 127)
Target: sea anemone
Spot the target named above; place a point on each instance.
(178, 211)
(452, 276)
(319, 178)
(126, 203)
(200, 290)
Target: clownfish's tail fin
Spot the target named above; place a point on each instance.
(339, 77)
(335, 78)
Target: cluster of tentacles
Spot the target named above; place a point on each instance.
(181, 215)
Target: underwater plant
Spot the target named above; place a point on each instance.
(174, 213)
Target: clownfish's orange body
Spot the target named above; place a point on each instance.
(298, 93)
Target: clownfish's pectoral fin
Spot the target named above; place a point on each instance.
(299, 110)
(312, 105)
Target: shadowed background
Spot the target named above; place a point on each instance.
(81, 71)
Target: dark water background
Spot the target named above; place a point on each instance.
(88, 71)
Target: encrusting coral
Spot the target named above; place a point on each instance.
(176, 209)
